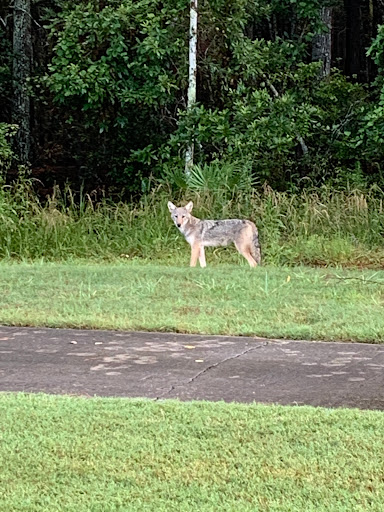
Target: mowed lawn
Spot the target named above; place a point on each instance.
(78, 454)
(299, 303)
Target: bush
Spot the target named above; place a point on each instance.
(6, 153)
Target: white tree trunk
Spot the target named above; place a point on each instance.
(22, 62)
(192, 76)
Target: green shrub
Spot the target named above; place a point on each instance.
(6, 153)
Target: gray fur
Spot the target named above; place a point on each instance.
(213, 233)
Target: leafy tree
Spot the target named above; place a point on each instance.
(118, 77)
(119, 68)
(368, 145)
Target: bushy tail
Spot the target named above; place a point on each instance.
(255, 247)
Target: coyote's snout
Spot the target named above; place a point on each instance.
(212, 233)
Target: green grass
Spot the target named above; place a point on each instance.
(77, 454)
(299, 303)
(321, 227)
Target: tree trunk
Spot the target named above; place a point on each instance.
(353, 37)
(192, 76)
(22, 62)
(322, 43)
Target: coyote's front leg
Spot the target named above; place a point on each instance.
(195, 253)
(202, 257)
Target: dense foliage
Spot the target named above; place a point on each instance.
(110, 82)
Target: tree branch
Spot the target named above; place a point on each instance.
(304, 147)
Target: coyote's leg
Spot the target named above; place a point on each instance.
(245, 251)
(244, 242)
(248, 256)
(195, 253)
(202, 257)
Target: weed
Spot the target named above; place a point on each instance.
(322, 227)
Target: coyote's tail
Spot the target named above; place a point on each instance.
(255, 247)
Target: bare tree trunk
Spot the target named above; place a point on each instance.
(322, 43)
(192, 76)
(22, 62)
(353, 37)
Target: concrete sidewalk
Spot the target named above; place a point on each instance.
(191, 367)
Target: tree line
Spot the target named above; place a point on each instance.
(289, 92)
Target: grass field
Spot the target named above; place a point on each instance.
(299, 303)
(76, 454)
(98, 264)
(320, 227)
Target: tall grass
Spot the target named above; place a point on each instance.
(321, 227)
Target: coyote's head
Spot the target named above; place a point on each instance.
(181, 215)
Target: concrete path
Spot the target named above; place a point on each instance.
(189, 367)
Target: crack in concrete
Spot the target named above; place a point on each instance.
(213, 365)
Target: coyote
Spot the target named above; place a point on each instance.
(211, 233)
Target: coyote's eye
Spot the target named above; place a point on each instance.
(182, 216)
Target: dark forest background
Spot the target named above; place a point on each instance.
(289, 93)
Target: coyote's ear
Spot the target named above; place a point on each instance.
(189, 206)
(171, 206)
